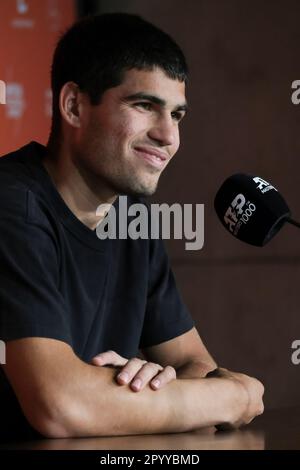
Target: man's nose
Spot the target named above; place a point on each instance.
(164, 131)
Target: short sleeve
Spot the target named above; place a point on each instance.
(30, 301)
(166, 315)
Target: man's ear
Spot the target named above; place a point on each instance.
(70, 100)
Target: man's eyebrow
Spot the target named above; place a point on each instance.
(154, 99)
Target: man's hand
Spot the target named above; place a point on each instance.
(249, 403)
(136, 372)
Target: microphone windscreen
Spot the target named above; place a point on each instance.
(250, 208)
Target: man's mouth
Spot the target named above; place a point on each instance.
(152, 156)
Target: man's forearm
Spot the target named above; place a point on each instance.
(62, 396)
(96, 406)
(195, 369)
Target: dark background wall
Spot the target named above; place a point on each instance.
(243, 57)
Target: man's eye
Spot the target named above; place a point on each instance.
(145, 105)
(177, 116)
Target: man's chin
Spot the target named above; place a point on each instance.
(135, 187)
(142, 191)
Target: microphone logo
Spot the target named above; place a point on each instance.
(263, 185)
(236, 215)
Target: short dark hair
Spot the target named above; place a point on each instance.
(97, 50)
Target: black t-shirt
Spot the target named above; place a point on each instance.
(59, 280)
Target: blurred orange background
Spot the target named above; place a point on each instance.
(29, 31)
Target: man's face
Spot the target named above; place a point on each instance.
(127, 140)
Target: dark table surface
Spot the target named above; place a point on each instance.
(275, 429)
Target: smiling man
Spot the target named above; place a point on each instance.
(124, 143)
(134, 133)
(77, 311)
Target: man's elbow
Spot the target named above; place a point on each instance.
(49, 428)
(51, 418)
(66, 417)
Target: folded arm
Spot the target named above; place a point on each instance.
(61, 396)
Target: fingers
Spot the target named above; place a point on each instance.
(136, 372)
(139, 373)
(165, 376)
(129, 373)
(109, 358)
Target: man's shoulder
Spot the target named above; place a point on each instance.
(15, 167)
(17, 160)
(19, 190)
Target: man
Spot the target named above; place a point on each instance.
(72, 304)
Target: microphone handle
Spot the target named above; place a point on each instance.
(293, 222)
